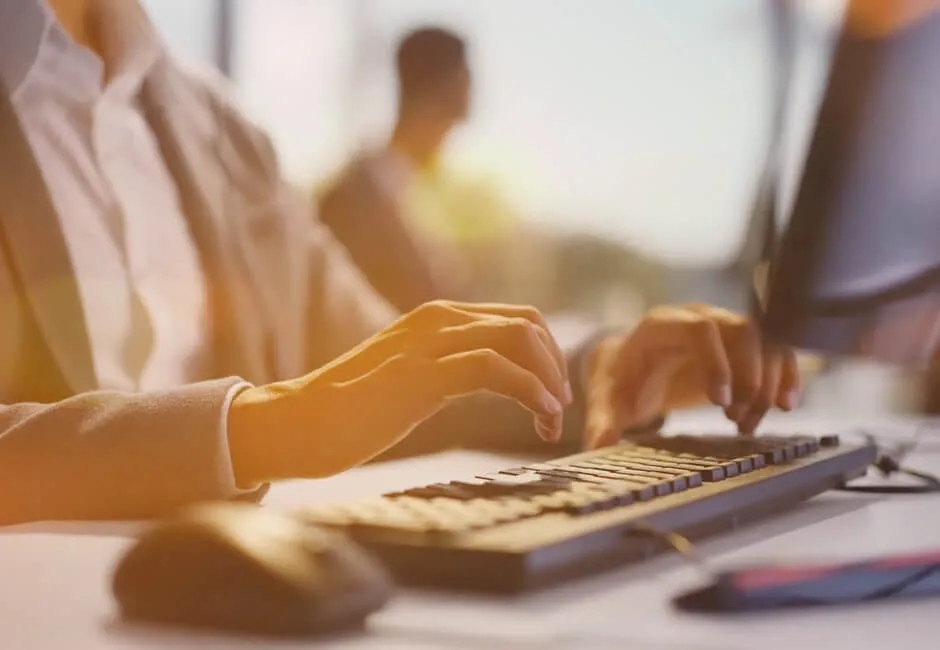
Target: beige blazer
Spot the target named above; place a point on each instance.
(285, 300)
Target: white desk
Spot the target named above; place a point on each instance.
(55, 594)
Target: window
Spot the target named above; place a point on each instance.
(291, 65)
(645, 121)
(188, 26)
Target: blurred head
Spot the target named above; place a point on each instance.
(433, 79)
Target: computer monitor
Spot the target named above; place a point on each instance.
(856, 270)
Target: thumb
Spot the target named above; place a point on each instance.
(631, 397)
(602, 423)
(646, 392)
(601, 412)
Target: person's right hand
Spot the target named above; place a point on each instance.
(362, 403)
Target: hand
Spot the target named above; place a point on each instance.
(370, 398)
(686, 356)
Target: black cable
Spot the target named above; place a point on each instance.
(929, 483)
(891, 461)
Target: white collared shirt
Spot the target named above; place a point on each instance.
(138, 272)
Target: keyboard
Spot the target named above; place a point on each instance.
(542, 523)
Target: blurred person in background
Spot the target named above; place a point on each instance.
(421, 229)
(369, 207)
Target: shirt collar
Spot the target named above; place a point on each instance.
(130, 42)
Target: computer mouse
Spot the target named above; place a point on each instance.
(246, 569)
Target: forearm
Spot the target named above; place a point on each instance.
(108, 455)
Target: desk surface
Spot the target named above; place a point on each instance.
(55, 579)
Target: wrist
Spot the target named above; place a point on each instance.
(253, 413)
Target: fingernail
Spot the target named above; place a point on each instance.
(736, 411)
(723, 395)
(792, 399)
(545, 433)
(569, 394)
(549, 430)
(599, 438)
(748, 425)
(551, 404)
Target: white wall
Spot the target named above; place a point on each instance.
(188, 26)
(291, 65)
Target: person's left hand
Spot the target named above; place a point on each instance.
(686, 356)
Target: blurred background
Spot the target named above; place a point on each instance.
(625, 139)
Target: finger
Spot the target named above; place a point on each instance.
(442, 313)
(632, 395)
(549, 428)
(602, 430)
(685, 337)
(514, 338)
(431, 316)
(743, 348)
(765, 398)
(530, 314)
(788, 395)
(468, 372)
(603, 405)
(632, 402)
(601, 422)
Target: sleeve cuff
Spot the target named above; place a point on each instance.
(227, 481)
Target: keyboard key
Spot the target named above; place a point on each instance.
(694, 479)
(616, 470)
(630, 465)
(590, 470)
(651, 467)
(567, 475)
(662, 462)
(775, 456)
(438, 490)
(646, 469)
(731, 469)
(504, 479)
(803, 448)
(708, 470)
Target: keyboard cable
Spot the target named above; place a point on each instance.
(890, 460)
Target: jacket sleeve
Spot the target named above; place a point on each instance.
(341, 307)
(109, 455)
